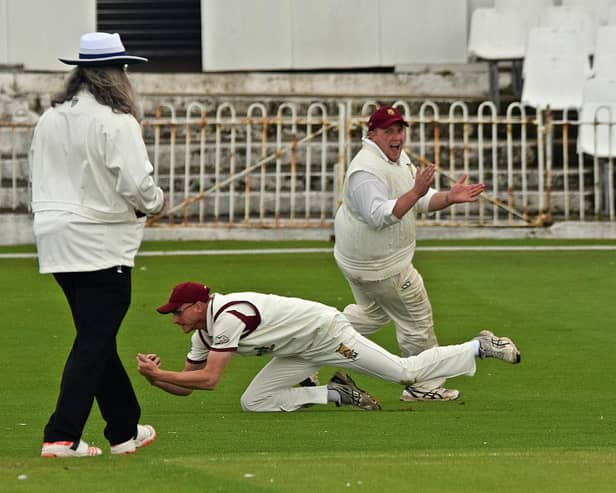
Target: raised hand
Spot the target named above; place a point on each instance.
(461, 193)
(424, 179)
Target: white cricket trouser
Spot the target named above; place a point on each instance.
(341, 346)
(402, 299)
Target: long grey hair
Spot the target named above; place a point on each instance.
(108, 84)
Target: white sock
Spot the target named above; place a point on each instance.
(333, 396)
(475, 344)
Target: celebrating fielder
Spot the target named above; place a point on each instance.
(302, 336)
(375, 242)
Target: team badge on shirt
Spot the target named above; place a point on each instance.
(347, 352)
(221, 339)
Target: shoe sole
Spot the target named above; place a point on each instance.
(145, 443)
(408, 397)
(60, 456)
(129, 451)
(405, 398)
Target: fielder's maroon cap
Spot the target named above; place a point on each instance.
(187, 292)
(385, 117)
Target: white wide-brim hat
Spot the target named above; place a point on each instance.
(102, 49)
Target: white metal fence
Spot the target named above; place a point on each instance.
(259, 164)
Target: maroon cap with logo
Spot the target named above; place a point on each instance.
(187, 292)
(385, 117)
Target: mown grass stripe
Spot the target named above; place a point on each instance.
(278, 251)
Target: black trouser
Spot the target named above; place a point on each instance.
(98, 300)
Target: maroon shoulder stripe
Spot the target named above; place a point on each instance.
(251, 322)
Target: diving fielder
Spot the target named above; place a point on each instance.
(301, 336)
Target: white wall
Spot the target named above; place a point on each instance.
(263, 34)
(475, 4)
(335, 33)
(303, 34)
(36, 32)
(420, 31)
(4, 33)
(241, 35)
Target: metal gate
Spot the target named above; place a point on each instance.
(274, 165)
(286, 168)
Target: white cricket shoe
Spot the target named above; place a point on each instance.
(146, 434)
(491, 346)
(69, 449)
(410, 394)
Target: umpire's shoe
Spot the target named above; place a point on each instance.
(491, 346)
(69, 449)
(144, 437)
(351, 394)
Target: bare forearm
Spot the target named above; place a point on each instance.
(171, 388)
(460, 193)
(405, 203)
(196, 380)
(439, 201)
(195, 376)
(423, 180)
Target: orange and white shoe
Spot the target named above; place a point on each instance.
(146, 434)
(69, 449)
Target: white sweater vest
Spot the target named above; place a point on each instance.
(361, 251)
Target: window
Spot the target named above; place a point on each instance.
(167, 32)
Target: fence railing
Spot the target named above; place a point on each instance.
(277, 165)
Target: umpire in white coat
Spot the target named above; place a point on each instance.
(91, 179)
(375, 241)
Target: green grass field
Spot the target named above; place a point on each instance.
(546, 425)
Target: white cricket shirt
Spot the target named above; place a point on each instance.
(256, 324)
